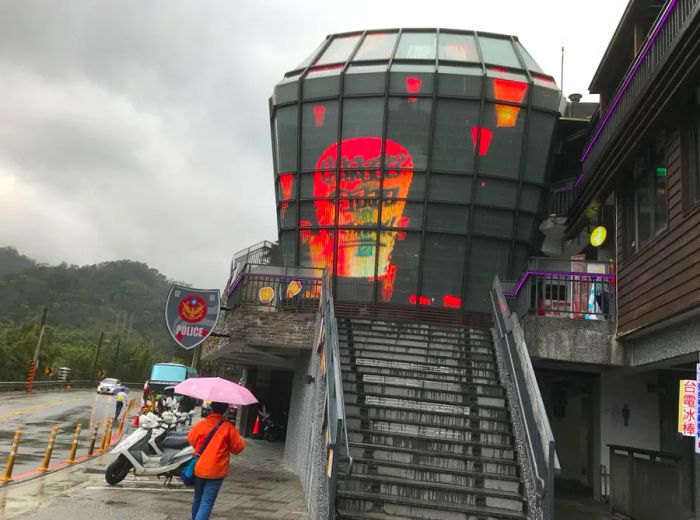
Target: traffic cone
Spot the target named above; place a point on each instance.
(256, 426)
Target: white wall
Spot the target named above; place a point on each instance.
(643, 428)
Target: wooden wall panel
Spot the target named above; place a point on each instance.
(663, 279)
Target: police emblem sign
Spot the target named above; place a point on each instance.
(191, 314)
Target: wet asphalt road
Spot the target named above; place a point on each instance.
(35, 414)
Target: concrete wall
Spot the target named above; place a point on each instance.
(675, 340)
(305, 449)
(642, 431)
(573, 341)
(254, 325)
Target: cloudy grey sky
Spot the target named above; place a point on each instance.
(139, 129)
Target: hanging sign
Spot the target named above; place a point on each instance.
(697, 424)
(293, 289)
(191, 314)
(687, 403)
(266, 295)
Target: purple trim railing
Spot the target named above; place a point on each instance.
(669, 24)
(527, 274)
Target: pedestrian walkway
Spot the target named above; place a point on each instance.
(259, 486)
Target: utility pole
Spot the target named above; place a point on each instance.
(35, 359)
(97, 355)
(561, 86)
(116, 357)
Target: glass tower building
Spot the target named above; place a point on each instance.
(413, 163)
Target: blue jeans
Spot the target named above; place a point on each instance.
(205, 492)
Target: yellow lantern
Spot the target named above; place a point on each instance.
(266, 295)
(598, 236)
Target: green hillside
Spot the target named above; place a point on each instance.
(123, 298)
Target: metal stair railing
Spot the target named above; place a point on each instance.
(337, 432)
(537, 432)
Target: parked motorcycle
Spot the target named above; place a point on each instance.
(154, 449)
(273, 431)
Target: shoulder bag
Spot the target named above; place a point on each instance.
(187, 473)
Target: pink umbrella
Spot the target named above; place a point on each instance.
(215, 389)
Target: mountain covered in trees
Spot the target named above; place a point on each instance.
(123, 299)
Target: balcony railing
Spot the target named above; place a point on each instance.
(278, 289)
(574, 289)
(669, 24)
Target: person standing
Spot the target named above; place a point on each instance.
(121, 397)
(213, 463)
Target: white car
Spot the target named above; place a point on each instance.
(108, 386)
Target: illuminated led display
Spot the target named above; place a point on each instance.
(411, 192)
(319, 115)
(483, 136)
(508, 90)
(359, 205)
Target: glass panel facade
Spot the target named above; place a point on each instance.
(377, 46)
(412, 186)
(416, 46)
(530, 63)
(458, 47)
(498, 51)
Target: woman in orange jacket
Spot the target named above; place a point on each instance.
(212, 466)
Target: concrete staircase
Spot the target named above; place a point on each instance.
(428, 425)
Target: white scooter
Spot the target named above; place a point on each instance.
(154, 449)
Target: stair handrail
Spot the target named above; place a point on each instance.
(539, 440)
(335, 401)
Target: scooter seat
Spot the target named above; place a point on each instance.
(176, 442)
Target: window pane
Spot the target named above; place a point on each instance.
(322, 87)
(286, 190)
(317, 184)
(448, 217)
(287, 244)
(500, 141)
(458, 47)
(486, 259)
(443, 269)
(416, 46)
(644, 202)
(519, 261)
(409, 126)
(402, 214)
(498, 51)
(319, 130)
(358, 212)
(546, 94)
(287, 214)
(526, 227)
(539, 140)
(286, 91)
(529, 61)
(398, 251)
(339, 50)
(460, 81)
(310, 59)
(496, 193)
(316, 247)
(286, 139)
(697, 159)
(411, 81)
(660, 192)
(416, 182)
(355, 268)
(455, 124)
(365, 79)
(362, 118)
(530, 198)
(378, 46)
(450, 188)
(508, 87)
(493, 223)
